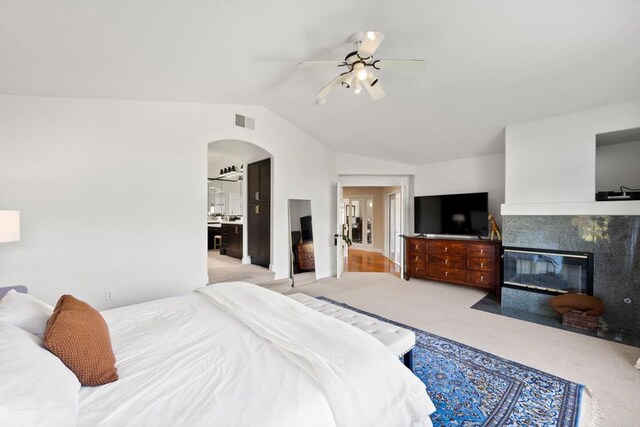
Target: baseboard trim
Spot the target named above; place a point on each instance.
(380, 251)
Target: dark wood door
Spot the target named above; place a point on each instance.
(259, 212)
(265, 231)
(259, 181)
(265, 180)
(253, 183)
(237, 238)
(253, 239)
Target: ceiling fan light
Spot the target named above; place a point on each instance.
(362, 74)
(371, 35)
(347, 80)
(357, 87)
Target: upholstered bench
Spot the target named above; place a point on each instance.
(399, 340)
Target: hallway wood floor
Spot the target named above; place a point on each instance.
(371, 262)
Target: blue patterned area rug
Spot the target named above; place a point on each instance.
(470, 387)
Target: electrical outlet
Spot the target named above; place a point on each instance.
(108, 295)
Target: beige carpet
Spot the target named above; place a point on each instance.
(605, 367)
(306, 278)
(222, 268)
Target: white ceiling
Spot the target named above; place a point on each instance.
(489, 63)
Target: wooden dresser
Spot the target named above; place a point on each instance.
(466, 262)
(305, 256)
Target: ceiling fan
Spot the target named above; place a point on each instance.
(359, 65)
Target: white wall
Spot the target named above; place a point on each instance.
(616, 165)
(349, 164)
(469, 175)
(113, 193)
(552, 161)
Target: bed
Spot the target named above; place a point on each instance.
(237, 355)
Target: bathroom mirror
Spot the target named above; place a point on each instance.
(225, 197)
(303, 268)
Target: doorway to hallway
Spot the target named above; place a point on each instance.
(372, 223)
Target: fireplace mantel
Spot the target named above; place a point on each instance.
(631, 207)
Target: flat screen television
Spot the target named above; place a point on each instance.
(452, 214)
(305, 228)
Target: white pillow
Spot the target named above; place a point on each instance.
(36, 388)
(25, 311)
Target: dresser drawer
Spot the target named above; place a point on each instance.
(417, 269)
(482, 278)
(482, 264)
(305, 247)
(448, 261)
(416, 246)
(305, 255)
(448, 273)
(481, 250)
(416, 258)
(448, 248)
(306, 264)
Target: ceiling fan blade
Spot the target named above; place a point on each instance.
(346, 77)
(373, 86)
(320, 64)
(399, 64)
(370, 43)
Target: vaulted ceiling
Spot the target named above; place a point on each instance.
(489, 63)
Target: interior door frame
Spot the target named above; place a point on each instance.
(388, 228)
(339, 230)
(406, 183)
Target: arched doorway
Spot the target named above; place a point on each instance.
(238, 216)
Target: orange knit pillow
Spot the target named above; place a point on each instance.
(79, 336)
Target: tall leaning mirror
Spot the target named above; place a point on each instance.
(303, 266)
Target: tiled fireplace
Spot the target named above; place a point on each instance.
(553, 272)
(548, 255)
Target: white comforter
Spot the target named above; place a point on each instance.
(365, 383)
(185, 362)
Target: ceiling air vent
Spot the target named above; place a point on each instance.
(245, 122)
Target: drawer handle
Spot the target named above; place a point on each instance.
(417, 258)
(446, 261)
(446, 249)
(446, 273)
(481, 251)
(482, 278)
(417, 269)
(417, 246)
(482, 265)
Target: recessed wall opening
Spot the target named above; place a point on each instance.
(235, 210)
(617, 171)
